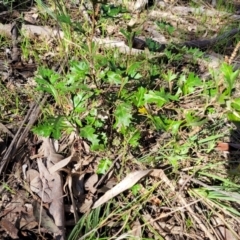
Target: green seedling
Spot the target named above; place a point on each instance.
(230, 77)
(111, 10)
(188, 84)
(169, 77)
(164, 26)
(123, 116)
(103, 166)
(154, 46)
(193, 120)
(171, 55)
(136, 189)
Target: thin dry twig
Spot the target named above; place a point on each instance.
(29, 119)
(184, 203)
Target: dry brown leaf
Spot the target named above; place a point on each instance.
(157, 173)
(54, 182)
(125, 184)
(9, 228)
(86, 206)
(221, 230)
(41, 216)
(136, 229)
(61, 164)
(91, 181)
(49, 186)
(122, 47)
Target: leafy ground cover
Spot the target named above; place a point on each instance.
(119, 120)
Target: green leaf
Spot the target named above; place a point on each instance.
(135, 189)
(134, 139)
(110, 10)
(193, 120)
(103, 166)
(44, 129)
(122, 115)
(165, 26)
(78, 72)
(191, 83)
(114, 78)
(46, 76)
(154, 45)
(174, 126)
(234, 117)
(79, 101)
(235, 104)
(138, 98)
(64, 19)
(88, 132)
(229, 75)
(79, 67)
(170, 76)
(155, 97)
(159, 123)
(133, 70)
(53, 127)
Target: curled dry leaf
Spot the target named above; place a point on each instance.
(136, 229)
(221, 230)
(41, 216)
(86, 205)
(48, 185)
(61, 164)
(125, 184)
(9, 228)
(89, 184)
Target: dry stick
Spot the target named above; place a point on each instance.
(6, 130)
(31, 117)
(32, 120)
(212, 206)
(154, 220)
(183, 202)
(186, 181)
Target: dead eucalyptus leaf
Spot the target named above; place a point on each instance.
(221, 230)
(136, 229)
(48, 185)
(57, 207)
(125, 184)
(31, 174)
(86, 205)
(89, 184)
(60, 164)
(41, 216)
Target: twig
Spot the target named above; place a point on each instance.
(29, 119)
(189, 209)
